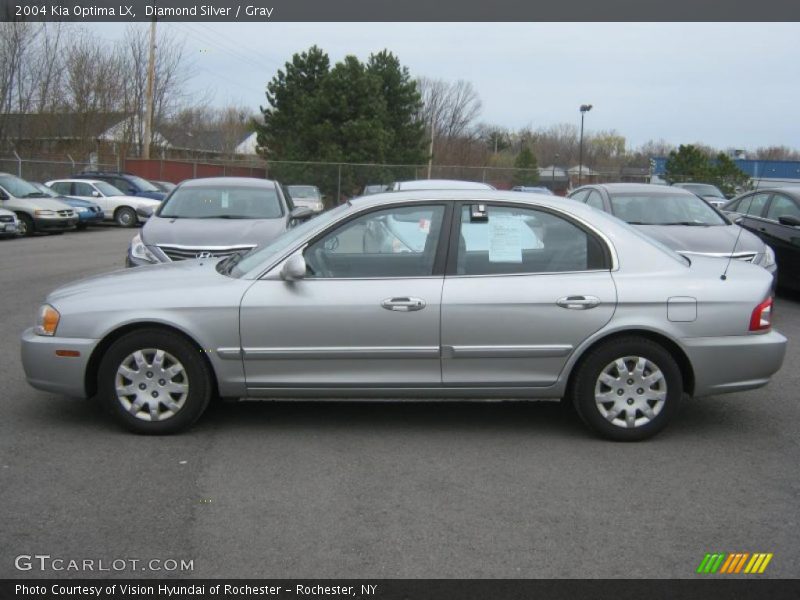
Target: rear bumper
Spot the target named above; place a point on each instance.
(46, 371)
(734, 363)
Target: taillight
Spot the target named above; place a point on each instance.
(761, 319)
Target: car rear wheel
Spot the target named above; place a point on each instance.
(125, 217)
(627, 389)
(26, 226)
(154, 382)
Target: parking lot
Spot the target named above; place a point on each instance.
(353, 489)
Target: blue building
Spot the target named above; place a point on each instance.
(763, 172)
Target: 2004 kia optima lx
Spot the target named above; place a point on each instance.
(426, 294)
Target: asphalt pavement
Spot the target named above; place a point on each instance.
(368, 490)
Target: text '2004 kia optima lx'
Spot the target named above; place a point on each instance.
(426, 294)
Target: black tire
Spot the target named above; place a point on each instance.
(27, 228)
(195, 375)
(634, 394)
(125, 216)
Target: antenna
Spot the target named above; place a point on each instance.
(724, 275)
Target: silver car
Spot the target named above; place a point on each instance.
(679, 219)
(594, 312)
(214, 217)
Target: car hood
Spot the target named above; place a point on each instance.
(713, 239)
(152, 195)
(44, 203)
(76, 202)
(204, 233)
(177, 275)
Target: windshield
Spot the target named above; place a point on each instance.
(283, 242)
(46, 190)
(19, 188)
(702, 189)
(663, 208)
(303, 191)
(142, 184)
(107, 189)
(222, 202)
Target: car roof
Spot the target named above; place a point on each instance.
(76, 180)
(640, 188)
(422, 196)
(232, 181)
(441, 184)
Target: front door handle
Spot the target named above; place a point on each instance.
(578, 302)
(403, 304)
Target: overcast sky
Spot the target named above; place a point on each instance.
(724, 84)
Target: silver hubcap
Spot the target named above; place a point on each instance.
(125, 217)
(630, 392)
(151, 384)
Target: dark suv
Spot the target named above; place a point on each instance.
(127, 183)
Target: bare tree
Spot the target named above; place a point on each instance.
(172, 74)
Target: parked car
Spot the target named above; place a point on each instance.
(127, 183)
(125, 211)
(774, 216)
(89, 213)
(9, 226)
(709, 193)
(598, 313)
(374, 188)
(306, 195)
(164, 186)
(35, 211)
(532, 189)
(678, 219)
(212, 218)
(438, 184)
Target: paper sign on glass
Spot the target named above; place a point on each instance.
(505, 239)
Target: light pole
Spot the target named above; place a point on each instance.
(584, 109)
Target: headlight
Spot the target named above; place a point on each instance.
(140, 251)
(768, 258)
(41, 212)
(47, 322)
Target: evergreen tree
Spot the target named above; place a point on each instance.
(526, 160)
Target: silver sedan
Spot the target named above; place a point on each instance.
(427, 294)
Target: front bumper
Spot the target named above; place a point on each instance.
(46, 371)
(91, 217)
(734, 363)
(45, 224)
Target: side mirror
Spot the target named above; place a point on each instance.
(294, 268)
(301, 213)
(789, 220)
(738, 220)
(95, 194)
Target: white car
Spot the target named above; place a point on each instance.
(438, 184)
(126, 211)
(9, 227)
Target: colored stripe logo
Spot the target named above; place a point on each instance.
(734, 563)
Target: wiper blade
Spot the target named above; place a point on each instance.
(34, 195)
(686, 223)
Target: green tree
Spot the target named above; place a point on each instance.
(528, 173)
(352, 113)
(688, 163)
(728, 177)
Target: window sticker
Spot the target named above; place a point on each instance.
(505, 239)
(225, 203)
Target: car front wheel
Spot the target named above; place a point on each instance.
(627, 389)
(154, 382)
(125, 217)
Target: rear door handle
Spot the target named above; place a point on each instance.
(578, 302)
(403, 304)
